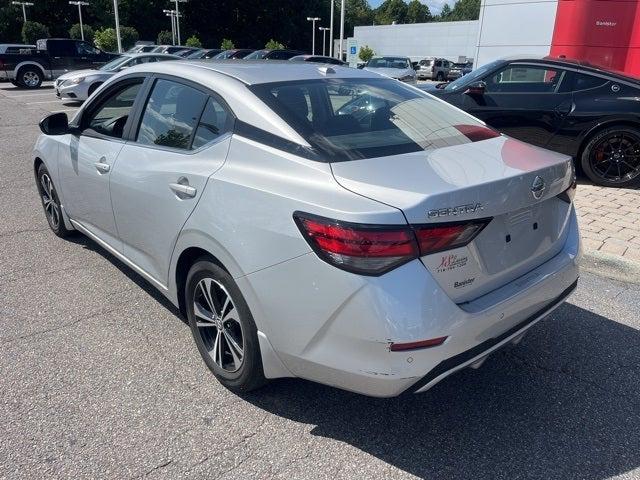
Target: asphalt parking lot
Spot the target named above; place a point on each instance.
(99, 377)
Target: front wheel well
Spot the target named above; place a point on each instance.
(36, 165)
(187, 258)
(32, 66)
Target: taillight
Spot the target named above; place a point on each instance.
(375, 249)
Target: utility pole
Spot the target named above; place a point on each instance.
(24, 10)
(115, 11)
(331, 30)
(313, 21)
(80, 3)
(341, 27)
(177, 2)
(172, 14)
(324, 35)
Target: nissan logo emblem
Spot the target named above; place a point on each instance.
(538, 187)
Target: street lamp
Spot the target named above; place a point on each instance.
(324, 34)
(177, 16)
(313, 21)
(80, 4)
(24, 10)
(172, 14)
(115, 11)
(341, 27)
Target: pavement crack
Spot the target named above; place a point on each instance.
(155, 469)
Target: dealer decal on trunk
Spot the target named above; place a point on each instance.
(451, 262)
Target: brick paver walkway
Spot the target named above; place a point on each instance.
(609, 220)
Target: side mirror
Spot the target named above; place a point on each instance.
(55, 124)
(476, 88)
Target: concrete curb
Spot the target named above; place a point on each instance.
(611, 266)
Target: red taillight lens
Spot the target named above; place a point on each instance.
(376, 249)
(476, 133)
(357, 248)
(436, 238)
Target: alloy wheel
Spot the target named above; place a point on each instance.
(218, 324)
(49, 201)
(616, 157)
(31, 79)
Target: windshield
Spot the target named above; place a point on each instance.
(472, 76)
(114, 64)
(257, 55)
(197, 54)
(348, 119)
(388, 62)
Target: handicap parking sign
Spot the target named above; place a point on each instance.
(353, 50)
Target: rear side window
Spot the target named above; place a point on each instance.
(171, 115)
(585, 82)
(215, 121)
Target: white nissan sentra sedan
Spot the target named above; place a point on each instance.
(313, 221)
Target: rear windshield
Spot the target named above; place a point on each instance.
(348, 119)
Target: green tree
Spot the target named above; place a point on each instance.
(227, 44)
(74, 32)
(32, 31)
(445, 13)
(165, 37)
(128, 36)
(418, 12)
(391, 11)
(106, 40)
(357, 12)
(465, 10)
(274, 45)
(366, 53)
(193, 41)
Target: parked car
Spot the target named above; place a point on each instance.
(568, 106)
(142, 48)
(235, 53)
(80, 84)
(395, 67)
(279, 54)
(458, 70)
(15, 47)
(377, 253)
(433, 69)
(205, 53)
(53, 57)
(170, 49)
(185, 52)
(317, 59)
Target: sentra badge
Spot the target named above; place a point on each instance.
(455, 211)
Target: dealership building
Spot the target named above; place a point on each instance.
(602, 32)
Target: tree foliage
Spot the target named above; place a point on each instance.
(165, 37)
(128, 36)
(366, 53)
(193, 41)
(106, 40)
(32, 31)
(445, 13)
(227, 44)
(465, 10)
(274, 45)
(391, 11)
(418, 12)
(75, 32)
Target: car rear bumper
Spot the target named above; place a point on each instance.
(339, 327)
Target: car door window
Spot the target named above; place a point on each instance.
(525, 79)
(111, 115)
(171, 115)
(215, 121)
(84, 49)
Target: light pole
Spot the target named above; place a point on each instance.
(115, 11)
(177, 15)
(172, 13)
(313, 21)
(24, 10)
(324, 35)
(331, 31)
(80, 4)
(341, 27)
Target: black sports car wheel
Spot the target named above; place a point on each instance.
(612, 157)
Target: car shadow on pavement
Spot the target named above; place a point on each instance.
(565, 403)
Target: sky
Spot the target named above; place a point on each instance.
(434, 5)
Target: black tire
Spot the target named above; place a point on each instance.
(51, 202)
(611, 157)
(93, 88)
(30, 77)
(249, 374)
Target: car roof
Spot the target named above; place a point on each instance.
(252, 72)
(149, 54)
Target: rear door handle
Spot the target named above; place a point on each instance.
(102, 167)
(183, 190)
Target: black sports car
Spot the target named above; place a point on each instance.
(571, 107)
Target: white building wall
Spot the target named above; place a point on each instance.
(418, 40)
(514, 27)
